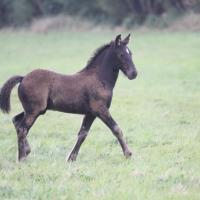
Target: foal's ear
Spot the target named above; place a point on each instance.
(118, 40)
(127, 39)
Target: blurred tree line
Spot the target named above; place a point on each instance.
(20, 12)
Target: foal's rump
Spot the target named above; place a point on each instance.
(34, 90)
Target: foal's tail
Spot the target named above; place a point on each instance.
(5, 92)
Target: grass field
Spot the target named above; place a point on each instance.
(159, 113)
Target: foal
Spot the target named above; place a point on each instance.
(88, 92)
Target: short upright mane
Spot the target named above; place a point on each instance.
(96, 53)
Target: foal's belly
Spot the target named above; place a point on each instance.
(70, 108)
(68, 94)
(69, 103)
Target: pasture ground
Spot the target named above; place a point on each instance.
(159, 113)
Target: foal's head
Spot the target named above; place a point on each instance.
(124, 57)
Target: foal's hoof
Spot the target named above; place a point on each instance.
(28, 150)
(128, 154)
(21, 159)
(71, 158)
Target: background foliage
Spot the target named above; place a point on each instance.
(128, 12)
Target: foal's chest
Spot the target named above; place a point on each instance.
(100, 97)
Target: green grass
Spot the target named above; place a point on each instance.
(159, 113)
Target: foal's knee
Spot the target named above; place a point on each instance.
(82, 134)
(117, 131)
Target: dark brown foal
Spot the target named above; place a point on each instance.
(88, 92)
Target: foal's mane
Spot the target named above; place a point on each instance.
(97, 52)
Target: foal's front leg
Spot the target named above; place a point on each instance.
(106, 117)
(86, 124)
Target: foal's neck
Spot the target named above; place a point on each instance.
(107, 69)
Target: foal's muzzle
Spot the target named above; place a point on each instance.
(131, 73)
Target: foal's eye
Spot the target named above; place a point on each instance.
(120, 55)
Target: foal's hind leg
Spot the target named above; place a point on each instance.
(16, 121)
(86, 124)
(22, 131)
